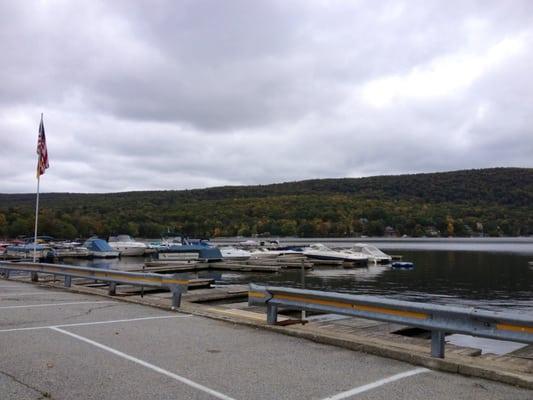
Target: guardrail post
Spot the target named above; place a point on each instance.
(437, 344)
(112, 289)
(34, 277)
(272, 313)
(176, 297)
(68, 280)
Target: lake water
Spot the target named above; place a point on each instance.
(484, 273)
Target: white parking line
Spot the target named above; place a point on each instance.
(34, 328)
(145, 364)
(56, 304)
(381, 382)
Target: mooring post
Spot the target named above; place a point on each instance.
(112, 289)
(272, 314)
(68, 280)
(437, 344)
(176, 297)
(34, 277)
(303, 287)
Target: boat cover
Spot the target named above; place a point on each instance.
(98, 245)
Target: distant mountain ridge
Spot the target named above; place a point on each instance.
(501, 196)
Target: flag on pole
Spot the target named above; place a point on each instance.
(42, 151)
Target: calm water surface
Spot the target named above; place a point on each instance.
(491, 274)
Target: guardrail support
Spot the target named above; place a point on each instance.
(437, 344)
(112, 289)
(176, 297)
(34, 277)
(272, 314)
(68, 280)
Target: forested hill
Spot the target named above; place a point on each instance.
(461, 203)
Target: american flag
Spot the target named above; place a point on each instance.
(42, 152)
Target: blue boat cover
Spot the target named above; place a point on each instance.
(98, 245)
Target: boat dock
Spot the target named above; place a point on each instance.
(217, 346)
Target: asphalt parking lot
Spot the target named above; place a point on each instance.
(55, 344)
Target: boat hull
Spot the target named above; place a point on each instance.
(129, 251)
(104, 254)
(357, 261)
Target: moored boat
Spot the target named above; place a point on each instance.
(233, 253)
(100, 248)
(375, 255)
(190, 250)
(27, 250)
(126, 246)
(319, 251)
(70, 249)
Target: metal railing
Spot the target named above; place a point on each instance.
(171, 282)
(438, 319)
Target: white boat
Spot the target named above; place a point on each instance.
(233, 253)
(70, 249)
(320, 252)
(262, 252)
(375, 255)
(126, 246)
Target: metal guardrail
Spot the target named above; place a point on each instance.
(171, 282)
(438, 319)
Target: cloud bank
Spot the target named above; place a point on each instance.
(142, 95)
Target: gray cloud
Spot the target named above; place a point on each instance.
(165, 95)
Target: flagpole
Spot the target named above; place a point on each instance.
(34, 275)
(36, 221)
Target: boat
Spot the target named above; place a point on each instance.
(233, 253)
(262, 252)
(319, 251)
(27, 250)
(190, 250)
(375, 255)
(126, 246)
(99, 248)
(70, 249)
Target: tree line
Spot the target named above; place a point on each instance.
(488, 202)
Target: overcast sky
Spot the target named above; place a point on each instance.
(141, 95)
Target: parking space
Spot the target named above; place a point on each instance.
(63, 345)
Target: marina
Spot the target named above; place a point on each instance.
(488, 273)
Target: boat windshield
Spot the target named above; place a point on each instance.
(368, 249)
